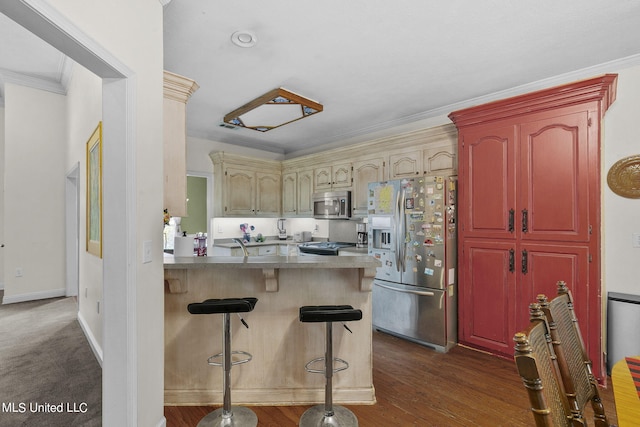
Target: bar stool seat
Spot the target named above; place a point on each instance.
(328, 415)
(227, 416)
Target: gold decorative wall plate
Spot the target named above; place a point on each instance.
(624, 177)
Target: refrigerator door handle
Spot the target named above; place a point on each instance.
(397, 224)
(403, 230)
(406, 291)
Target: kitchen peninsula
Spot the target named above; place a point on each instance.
(280, 344)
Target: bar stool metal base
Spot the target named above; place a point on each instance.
(317, 417)
(240, 417)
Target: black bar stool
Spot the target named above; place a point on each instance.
(328, 415)
(237, 416)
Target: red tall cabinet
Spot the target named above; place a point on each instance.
(529, 211)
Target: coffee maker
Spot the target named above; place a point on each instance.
(282, 230)
(362, 235)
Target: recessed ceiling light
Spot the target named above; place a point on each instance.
(244, 38)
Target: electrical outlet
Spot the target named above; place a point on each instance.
(146, 251)
(19, 272)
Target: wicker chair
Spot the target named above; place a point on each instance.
(573, 362)
(536, 365)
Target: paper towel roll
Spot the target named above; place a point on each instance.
(183, 246)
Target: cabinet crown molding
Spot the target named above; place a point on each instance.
(177, 87)
(600, 89)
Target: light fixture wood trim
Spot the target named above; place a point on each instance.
(269, 96)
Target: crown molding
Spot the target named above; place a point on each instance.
(7, 76)
(178, 88)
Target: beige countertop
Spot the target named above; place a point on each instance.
(269, 262)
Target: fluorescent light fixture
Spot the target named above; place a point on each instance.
(273, 109)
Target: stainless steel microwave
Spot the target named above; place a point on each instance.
(332, 205)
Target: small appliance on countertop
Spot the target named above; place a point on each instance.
(282, 230)
(362, 235)
(302, 236)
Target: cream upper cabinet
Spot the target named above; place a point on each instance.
(267, 194)
(177, 90)
(240, 190)
(440, 161)
(332, 177)
(289, 193)
(364, 172)
(297, 189)
(405, 164)
(305, 192)
(244, 186)
(323, 178)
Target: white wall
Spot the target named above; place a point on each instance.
(34, 162)
(621, 215)
(84, 103)
(1, 198)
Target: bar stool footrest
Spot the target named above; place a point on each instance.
(211, 360)
(307, 367)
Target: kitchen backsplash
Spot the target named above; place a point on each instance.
(226, 228)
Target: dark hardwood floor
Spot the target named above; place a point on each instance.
(416, 386)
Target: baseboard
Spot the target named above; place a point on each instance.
(162, 422)
(93, 343)
(32, 296)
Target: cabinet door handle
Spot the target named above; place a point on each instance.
(512, 214)
(525, 265)
(512, 260)
(525, 221)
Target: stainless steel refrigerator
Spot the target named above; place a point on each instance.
(412, 231)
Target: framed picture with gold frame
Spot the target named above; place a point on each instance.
(94, 192)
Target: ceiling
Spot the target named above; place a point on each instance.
(377, 67)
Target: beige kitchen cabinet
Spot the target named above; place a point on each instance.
(177, 90)
(244, 186)
(268, 194)
(331, 177)
(289, 194)
(297, 189)
(305, 192)
(405, 164)
(440, 161)
(364, 172)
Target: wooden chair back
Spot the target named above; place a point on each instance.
(573, 362)
(536, 365)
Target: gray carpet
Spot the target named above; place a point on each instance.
(48, 374)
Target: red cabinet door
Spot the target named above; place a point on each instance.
(487, 183)
(546, 264)
(487, 299)
(553, 184)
